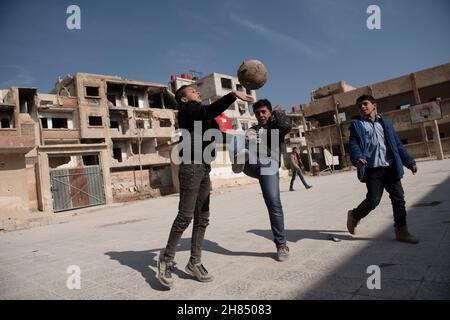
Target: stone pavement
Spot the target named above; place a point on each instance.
(117, 247)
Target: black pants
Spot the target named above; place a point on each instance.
(378, 179)
(194, 203)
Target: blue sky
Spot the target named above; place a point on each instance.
(304, 44)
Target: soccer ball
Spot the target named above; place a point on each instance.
(252, 74)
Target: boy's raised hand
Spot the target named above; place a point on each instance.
(242, 96)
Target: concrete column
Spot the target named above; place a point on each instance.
(45, 195)
(106, 164)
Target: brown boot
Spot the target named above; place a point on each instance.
(351, 222)
(402, 235)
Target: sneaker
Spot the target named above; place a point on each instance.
(199, 272)
(165, 273)
(291, 189)
(282, 253)
(308, 187)
(239, 161)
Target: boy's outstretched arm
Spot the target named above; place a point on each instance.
(216, 108)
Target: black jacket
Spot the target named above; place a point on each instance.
(193, 111)
(279, 121)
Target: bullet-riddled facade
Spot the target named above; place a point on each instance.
(92, 140)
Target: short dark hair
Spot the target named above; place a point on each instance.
(180, 93)
(294, 148)
(261, 103)
(365, 97)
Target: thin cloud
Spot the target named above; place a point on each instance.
(18, 76)
(277, 37)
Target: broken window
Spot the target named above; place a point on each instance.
(165, 123)
(26, 100)
(57, 161)
(114, 124)
(59, 123)
(135, 148)
(44, 123)
(88, 141)
(112, 99)
(91, 160)
(92, 92)
(140, 124)
(226, 83)
(95, 121)
(249, 92)
(239, 87)
(5, 123)
(117, 154)
(133, 100)
(155, 101)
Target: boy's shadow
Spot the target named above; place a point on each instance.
(297, 235)
(145, 262)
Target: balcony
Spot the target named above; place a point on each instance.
(119, 133)
(13, 144)
(323, 136)
(61, 134)
(146, 159)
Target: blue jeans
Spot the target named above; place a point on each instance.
(270, 187)
(302, 178)
(377, 180)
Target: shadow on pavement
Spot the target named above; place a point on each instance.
(145, 261)
(407, 271)
(297, 235)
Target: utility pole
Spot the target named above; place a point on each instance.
(307, 146)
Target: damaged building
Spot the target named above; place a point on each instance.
(401, 100)
(92, 140)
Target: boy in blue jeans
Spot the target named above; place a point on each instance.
(379, 155)
(258, 156)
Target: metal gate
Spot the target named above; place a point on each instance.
(77, 187)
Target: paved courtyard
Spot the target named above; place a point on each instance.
(116, 247)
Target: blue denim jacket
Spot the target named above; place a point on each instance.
(358, 146)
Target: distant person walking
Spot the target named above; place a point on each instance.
(297, 167)
(376, 150)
